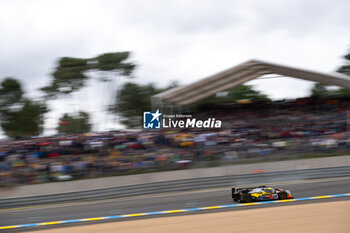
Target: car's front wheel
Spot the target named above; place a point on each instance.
(282, 195)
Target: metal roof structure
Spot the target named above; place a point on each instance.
(227, 79)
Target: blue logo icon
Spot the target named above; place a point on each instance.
(151, 120)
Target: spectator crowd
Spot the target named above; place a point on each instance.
(280, 128)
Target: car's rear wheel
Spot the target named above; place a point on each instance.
(282, 195)
(248, 198)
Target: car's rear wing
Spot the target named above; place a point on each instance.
(233, 193)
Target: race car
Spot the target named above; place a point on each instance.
(261, 193)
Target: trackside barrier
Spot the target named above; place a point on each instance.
(185, 174)
(176, 186)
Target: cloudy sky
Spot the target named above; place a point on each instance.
(179, 40)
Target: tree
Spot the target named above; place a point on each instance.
(10, 93)
(27, 121)
(345, 69)
(70, 124)
(68, 77)
(71, 73)
(133, 100)
(115, 62)
(319, 90)
(342, 92)
(234, 95)
(19, 116)
(246, 92)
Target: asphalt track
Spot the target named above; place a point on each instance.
(170, 201)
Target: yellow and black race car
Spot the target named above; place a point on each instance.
(261, 193)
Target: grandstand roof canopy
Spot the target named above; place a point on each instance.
(239, 74)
